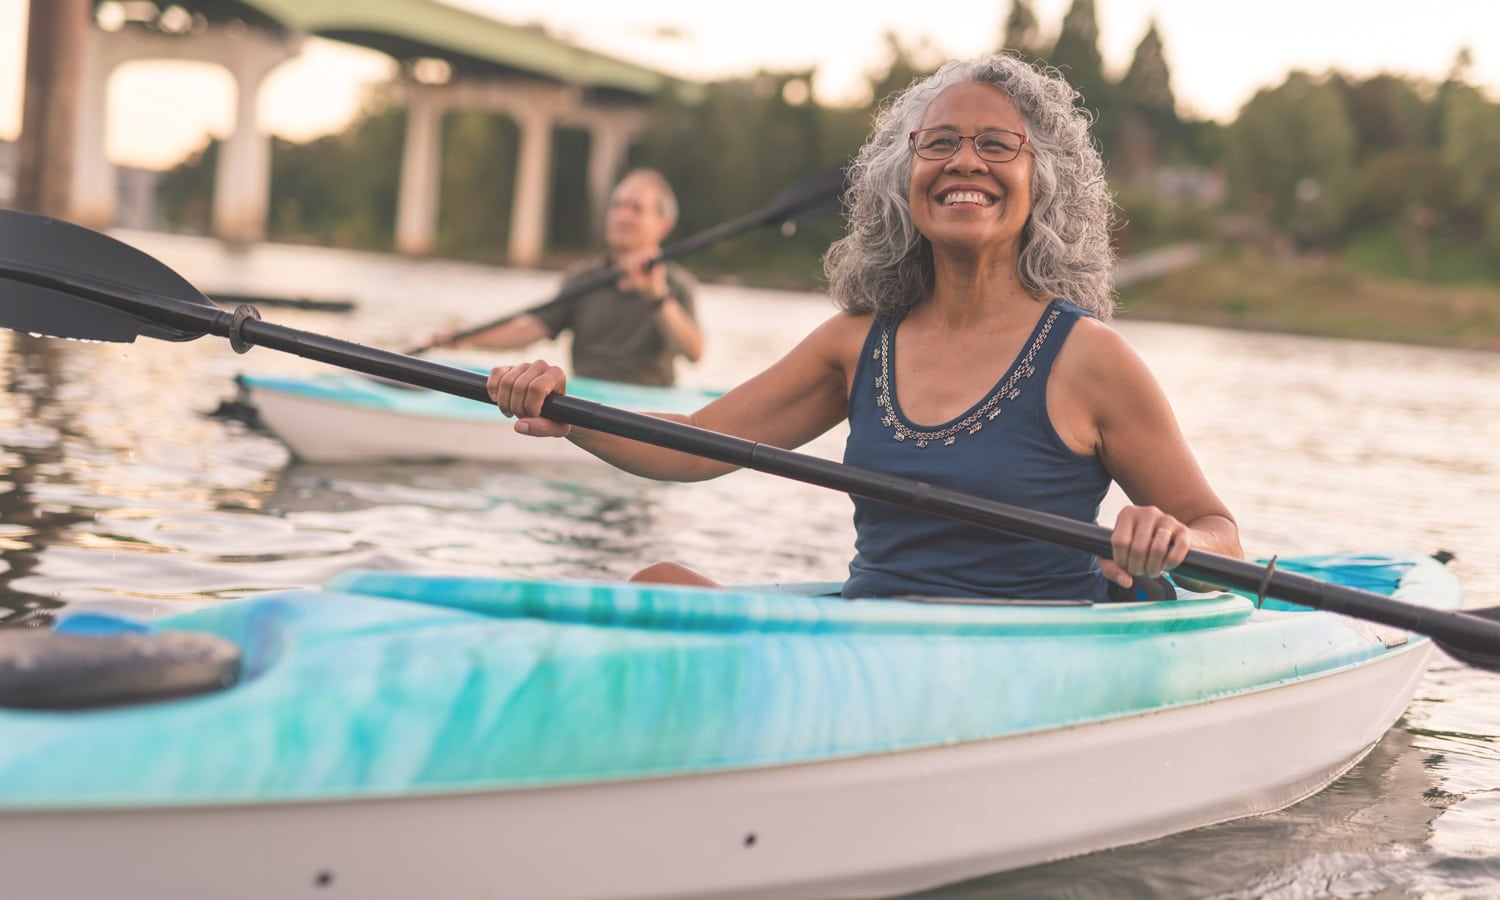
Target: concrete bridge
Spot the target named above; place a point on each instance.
(449, 59)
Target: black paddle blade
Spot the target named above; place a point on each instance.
(39, 256)
(57, 671)
(1479, 659)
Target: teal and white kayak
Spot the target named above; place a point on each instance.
(341, 417)
(395, 736)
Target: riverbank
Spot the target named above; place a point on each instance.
(1319, 297)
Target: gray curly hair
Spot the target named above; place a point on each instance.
(884, 265)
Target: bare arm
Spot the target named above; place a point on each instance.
(1108, 402)
(680, 329)
(799, 397)
(512, 334)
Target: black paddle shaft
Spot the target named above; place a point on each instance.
(55, 300)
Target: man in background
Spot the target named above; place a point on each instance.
(633, 329)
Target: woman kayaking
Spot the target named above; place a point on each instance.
(970, 351)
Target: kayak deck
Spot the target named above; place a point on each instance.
(385, 684)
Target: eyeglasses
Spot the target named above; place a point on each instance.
(942, 143)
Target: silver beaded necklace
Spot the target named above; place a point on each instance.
(1008, 390)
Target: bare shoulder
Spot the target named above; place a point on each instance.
(838, 339)
(843, 326)
(1102, 373)
(1099, 358)
(1096, 339)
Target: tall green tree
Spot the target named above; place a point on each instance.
(1401, 182)
(185, 192)
(305, 203)
(340, 190)
(904, 64)
(1387, 113)
(1151, 129)
(370, 182)
(1147, 85)
(1022, 32)
(479, 155)
(744, 142)
(1409, 190)
(1290, 155)
(1470, 134)
(1077, 55)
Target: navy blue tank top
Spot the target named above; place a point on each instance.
(1004, 448)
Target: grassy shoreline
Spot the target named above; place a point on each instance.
(1318, 297)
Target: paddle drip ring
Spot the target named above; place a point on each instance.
(241, 313)
(1265, 582)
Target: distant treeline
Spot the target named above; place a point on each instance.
(1322, 163)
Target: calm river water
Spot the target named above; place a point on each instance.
(118, 491)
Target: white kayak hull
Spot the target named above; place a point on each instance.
(345, 418)
(868, 826)
(324, 431)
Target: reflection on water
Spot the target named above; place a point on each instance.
(31, 444)
(117, 490)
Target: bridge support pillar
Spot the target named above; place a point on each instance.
(243, 178)
(528, 212)
(95, 190)
(417, 204)
(610, 135)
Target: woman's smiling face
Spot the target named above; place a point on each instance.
(966, 203)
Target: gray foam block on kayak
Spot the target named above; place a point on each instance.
(46, 670)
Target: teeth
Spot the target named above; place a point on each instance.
(966, 197)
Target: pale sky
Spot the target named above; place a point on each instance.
(1220, 53)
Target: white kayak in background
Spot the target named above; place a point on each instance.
(340, 417)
